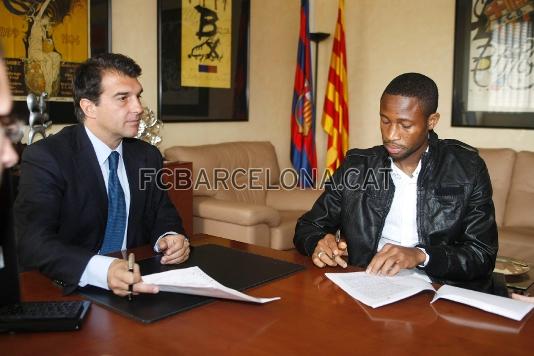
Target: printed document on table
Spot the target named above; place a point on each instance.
(376, 291)
(194, 281)
(510, 308)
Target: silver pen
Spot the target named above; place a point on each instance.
(338, 239)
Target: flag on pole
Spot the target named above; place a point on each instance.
(303, 155)
(335, 119)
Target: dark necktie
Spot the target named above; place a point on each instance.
(116, 209)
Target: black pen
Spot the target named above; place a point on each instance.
(131, 263)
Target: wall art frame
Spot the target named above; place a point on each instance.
(199, 100)
(493, 84)
(62, 112)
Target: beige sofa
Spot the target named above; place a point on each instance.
(512, 179)
(243, 204)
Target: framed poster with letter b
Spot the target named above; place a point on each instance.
(203, 60)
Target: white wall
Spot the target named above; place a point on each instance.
(384, 38)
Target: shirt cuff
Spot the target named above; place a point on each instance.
(96, 272)
(427, 258)
(156, 248)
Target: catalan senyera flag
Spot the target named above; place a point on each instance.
(303, 155)
(335, 119)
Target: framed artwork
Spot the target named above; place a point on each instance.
(203, 60)
(494, 64)
(44, 41)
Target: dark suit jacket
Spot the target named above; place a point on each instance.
(61, 207)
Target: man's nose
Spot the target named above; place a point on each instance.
(392, 133)
(137, 107)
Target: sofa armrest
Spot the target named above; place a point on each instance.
(295, 199)
(235, 212)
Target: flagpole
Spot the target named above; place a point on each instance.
(317, 37)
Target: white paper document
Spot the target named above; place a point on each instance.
(376, 291)
(194, 281)
(510, 308)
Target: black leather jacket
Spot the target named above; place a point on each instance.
(455, 212)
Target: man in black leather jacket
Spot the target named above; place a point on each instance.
(442, 224)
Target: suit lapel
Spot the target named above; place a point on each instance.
(90, 174)
(133, 161)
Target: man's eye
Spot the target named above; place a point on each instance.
(406, 126)
(122, 98)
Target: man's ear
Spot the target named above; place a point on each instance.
(433, 121)
(88, 108)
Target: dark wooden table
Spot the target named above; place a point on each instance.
(314, 317)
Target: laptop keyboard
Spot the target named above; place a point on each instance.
(41, 311)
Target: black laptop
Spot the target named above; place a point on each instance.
(27, 316)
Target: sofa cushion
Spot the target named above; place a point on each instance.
(235, 212)
(517, 242)
(500, 163)
(256, 234)
(520, 204)
(232, 157)
(282, 235)
(295, 199)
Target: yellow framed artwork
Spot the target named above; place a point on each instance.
(43, 43)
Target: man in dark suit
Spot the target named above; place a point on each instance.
(79, 194)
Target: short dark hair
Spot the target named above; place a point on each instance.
(416, 85)
(87, 83)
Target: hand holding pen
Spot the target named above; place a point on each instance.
(329, 251)
(124, 278)
(131, 263)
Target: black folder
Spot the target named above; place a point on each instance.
(233, 268)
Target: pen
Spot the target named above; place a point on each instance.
(131, 262)
(338, 238)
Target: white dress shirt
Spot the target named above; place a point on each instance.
(400, 227)
(96, 271)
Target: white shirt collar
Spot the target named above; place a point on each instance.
(399, 173)
(101, 149)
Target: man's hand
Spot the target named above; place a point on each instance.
(175, 249)
(328, 252)
(522, 298)
(119, 279)
(392, 258)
